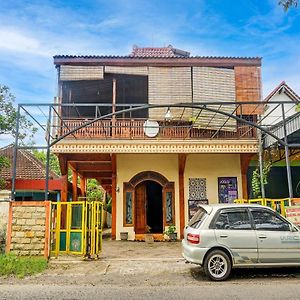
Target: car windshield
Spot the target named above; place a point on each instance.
(198, 216)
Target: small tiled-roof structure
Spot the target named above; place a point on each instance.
(158, 52)
(28, 166)
(284, 88)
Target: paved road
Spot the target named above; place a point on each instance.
(140, 271)
(273, 290)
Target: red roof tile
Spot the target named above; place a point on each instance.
(158, 52)
(28, 166)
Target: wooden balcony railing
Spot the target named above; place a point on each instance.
(133, 129)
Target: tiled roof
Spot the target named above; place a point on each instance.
(28, 166)
(283, 87)
(158, 52)
(131, 57)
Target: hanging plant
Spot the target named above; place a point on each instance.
(255, 181)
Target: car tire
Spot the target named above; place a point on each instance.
(217, 265)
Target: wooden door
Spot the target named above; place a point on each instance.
(140, 208)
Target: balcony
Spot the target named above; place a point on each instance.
(133, 129)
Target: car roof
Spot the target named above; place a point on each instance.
(210, 207)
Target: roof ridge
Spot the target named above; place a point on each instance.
(294, 96)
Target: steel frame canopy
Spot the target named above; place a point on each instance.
(214, 108)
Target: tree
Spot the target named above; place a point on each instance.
(286, 4)
(8, 123)
(8, 117)
(53, 161)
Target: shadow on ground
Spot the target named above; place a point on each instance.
(252, 273)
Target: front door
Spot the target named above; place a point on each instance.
(140, 208)
(148, 208)
(276, 242)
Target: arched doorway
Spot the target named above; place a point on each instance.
(148, 207)
(149, 203)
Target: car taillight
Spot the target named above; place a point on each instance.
(193, 238)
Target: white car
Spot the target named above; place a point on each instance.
(225, 236)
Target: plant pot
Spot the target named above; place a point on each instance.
(108, 219)
(149, 238)
(173, 236)
(124, 236)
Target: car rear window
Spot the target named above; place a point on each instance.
(197, 218)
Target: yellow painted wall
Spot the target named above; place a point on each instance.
(209, 166)
(128, 165)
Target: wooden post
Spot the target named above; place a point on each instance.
(114, 197)
(64, 191)
(83, 186)
(181, 167)
(245, 159)
(114, 100)
(74, 185)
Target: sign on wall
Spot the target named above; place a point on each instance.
(227, 188)
(293, 214)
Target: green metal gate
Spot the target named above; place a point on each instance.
(76, 228)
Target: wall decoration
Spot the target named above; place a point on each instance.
(128, 215)
(197, 189)
(228, 191)
(169, 208)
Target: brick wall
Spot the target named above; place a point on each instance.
(248, 88)
(29, 228)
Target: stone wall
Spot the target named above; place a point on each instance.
(29, 228)
(5, 197)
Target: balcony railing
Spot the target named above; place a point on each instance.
(134, 129)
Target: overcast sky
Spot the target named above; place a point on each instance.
(31, 32)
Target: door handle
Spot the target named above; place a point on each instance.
(262, 236)
(224, 236)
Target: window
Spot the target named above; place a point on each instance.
(267, 220)
(233, 220)
(197, 218)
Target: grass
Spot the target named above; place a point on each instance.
(21, 266)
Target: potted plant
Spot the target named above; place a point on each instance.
(149, 236)
(171, 233)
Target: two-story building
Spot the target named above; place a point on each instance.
(143, 137)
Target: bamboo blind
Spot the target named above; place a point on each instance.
(218, 85)
(70, 73)
(169, 85)
(126, 70)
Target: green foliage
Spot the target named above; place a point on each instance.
(286, 4)
(255, 181)
(21, 266)
(2, 239)
(107, 206)
(8, 117)
(171, 229)
(4, 163)
(94, 190)
(53, 161)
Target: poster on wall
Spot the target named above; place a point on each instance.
(194, 206)
(227, 188)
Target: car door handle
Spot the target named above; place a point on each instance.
(262, 236)
(224, 236)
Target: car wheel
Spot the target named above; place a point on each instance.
(217, 265)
